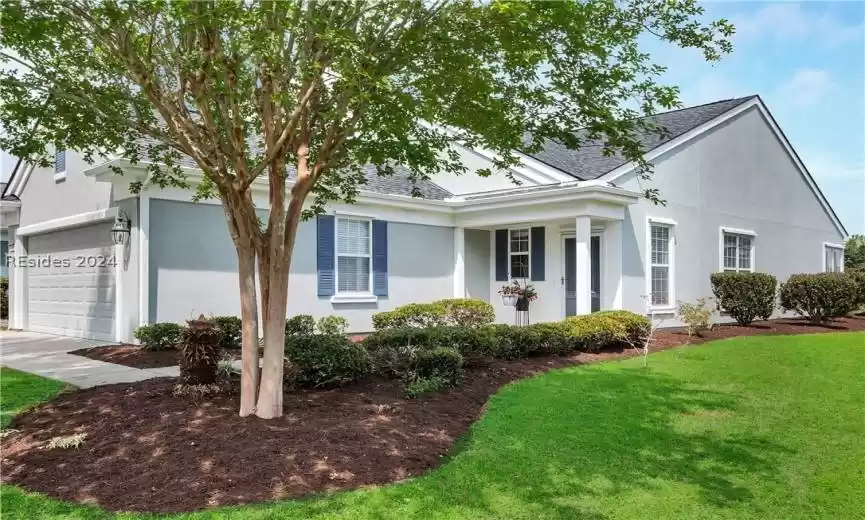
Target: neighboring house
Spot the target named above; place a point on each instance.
(738, 198)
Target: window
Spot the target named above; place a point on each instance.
(833, 258)
(519, 253)
(738, 252)
(354, 255)
(59, 165)
(661, 262)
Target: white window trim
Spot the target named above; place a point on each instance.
(528, 252)
(671, 298)
(736, 231)
(832, 245)
(351, 296)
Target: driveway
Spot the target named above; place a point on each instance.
(48, 356)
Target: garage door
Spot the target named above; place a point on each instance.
(71, 288)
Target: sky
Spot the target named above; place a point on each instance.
(807, 62)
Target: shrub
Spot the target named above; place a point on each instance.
(858, 275)
(424, 385)
(696, 316)
(745, 296)
(333, 325)
(819, 296)
(632, 328)
(199, 352)
(4, 297)
(467, 312)
(230, 330)
(443, 362)
(456, 312)
(473, 344)
(300, 325)
(327, 360)
(158, 336)
(516, 342)
(597, 331)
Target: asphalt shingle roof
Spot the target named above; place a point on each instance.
(589, 162)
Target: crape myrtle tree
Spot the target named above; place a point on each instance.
(294, 97)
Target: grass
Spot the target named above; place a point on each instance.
(19, 390)
(747, 428)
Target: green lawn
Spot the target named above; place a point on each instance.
(19, 390)
(762, 428)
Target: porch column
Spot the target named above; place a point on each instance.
(18, 297)
(459, 262)
(583, 234)
(612, 285)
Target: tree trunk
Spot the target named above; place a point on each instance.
(249, 317)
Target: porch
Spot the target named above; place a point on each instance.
(567, 243)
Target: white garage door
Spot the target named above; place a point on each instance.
(71, 288)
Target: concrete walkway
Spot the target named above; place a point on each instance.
(47, 356)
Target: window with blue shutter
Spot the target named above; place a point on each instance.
(325, 246)
(501, 253)
(537, 253)
(59, 161)
(379, 257)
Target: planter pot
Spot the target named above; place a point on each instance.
(509, 299)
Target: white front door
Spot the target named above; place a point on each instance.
(569, 280)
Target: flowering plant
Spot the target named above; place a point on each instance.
(523, 292)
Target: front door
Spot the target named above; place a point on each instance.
(570, 278)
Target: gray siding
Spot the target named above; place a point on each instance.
(477, 264)
(44, 198)
(739, 176)
(193, 267)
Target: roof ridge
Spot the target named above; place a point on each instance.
(740, 99)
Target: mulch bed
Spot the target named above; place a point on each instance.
(130, 355)
(148, 451)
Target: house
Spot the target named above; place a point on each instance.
(738, 198)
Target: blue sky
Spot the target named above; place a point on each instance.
(807, 63)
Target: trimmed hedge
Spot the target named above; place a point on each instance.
(158, 336)
(230, 330)
(820, 296)
(858, 275)
(459, 312)
(326, 360)
(300, 325)
(745, 296)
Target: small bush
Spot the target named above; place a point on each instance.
(230, 330)
(474, 344)
(300, 325)
(745, 296)
(197, 391)
(327, 360)
(553, 338)
(333, 325)
(696, 316)
(632, 328)
(454, 312)
(516, 342)
(225, 368)
(158, 336)
(819, 296)
(858, 275)
(443, 362)
(596, 331)
(4, 297)
(467, 312)
(424, 385)
(199, 352)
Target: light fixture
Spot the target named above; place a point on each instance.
(120, 231)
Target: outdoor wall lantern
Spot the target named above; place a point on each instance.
(120, 231)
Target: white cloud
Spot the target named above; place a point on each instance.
(782, 21)
(805, 87)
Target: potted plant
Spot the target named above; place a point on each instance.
(518, 295)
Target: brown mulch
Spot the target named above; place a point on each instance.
(148, 451)
(130, 355)
(782, 326)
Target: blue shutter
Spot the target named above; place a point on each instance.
(501, 255)
(379, 257)
(537, 248)
(326, 260)
(59, 161)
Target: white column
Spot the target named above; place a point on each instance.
(459, 262)
(612, 268)
(143, 228)
(19, 287)
(119, 304)
(583, 232)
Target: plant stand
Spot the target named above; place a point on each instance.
(521, 313)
